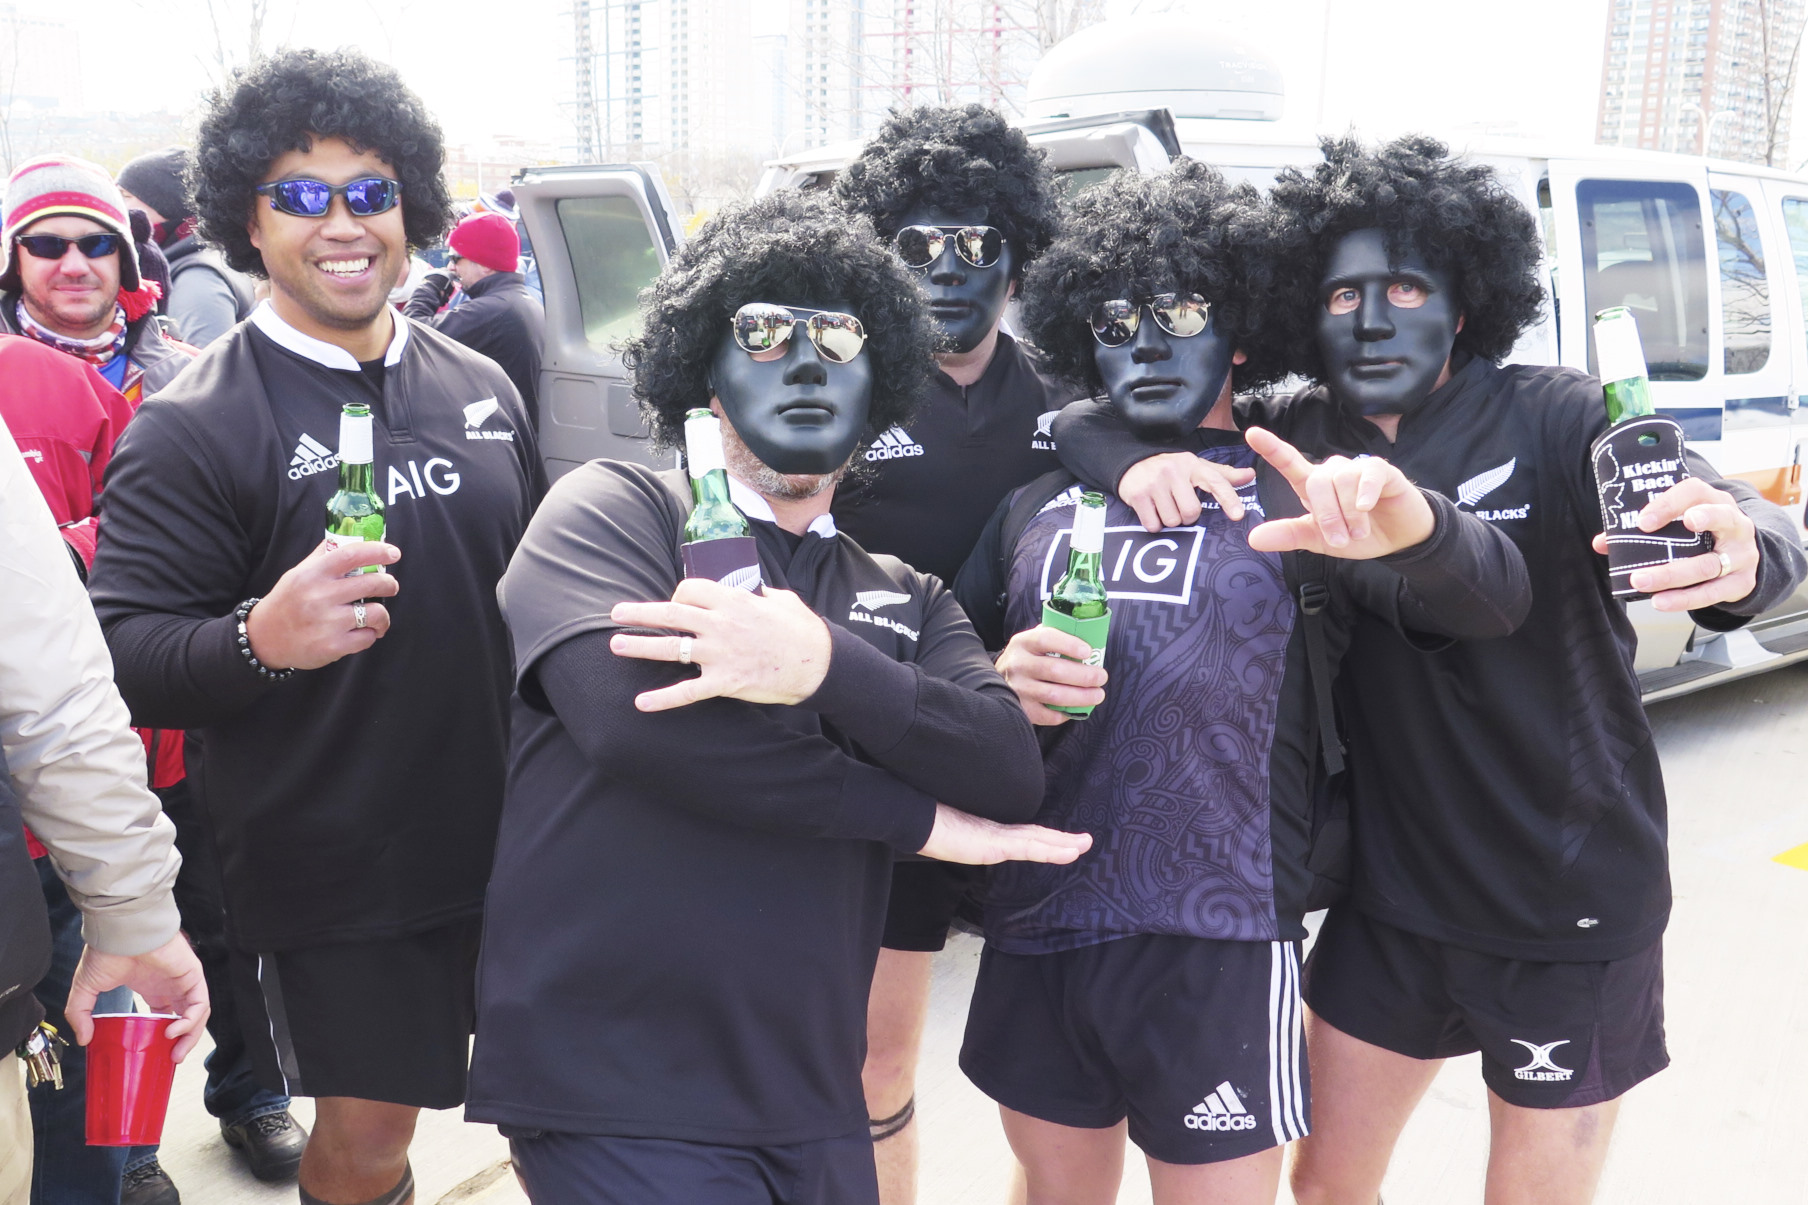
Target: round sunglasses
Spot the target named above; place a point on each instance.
(1114, 323)
(762, 329)
(55, 246)
(365, 197)
(920, 246)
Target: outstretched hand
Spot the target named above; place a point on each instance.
(1163, 490)
(973, 841)
(763, 648)
(1355, 509)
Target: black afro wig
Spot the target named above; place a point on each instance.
(789, 247)
(965, 157)
(284, 102)
(1454, 213)
(1131, 235)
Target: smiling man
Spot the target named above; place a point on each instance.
(691, 875)
(352, 746)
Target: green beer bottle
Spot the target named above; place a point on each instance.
(354, 513)
(1621, 358)
(1078, 604)
(718, 540)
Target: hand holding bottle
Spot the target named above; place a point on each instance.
(762, 648)
(1727, 574)
(1355, 509)
(1048, 669)
(308, 619)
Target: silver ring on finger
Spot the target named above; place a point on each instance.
(358, 614)
(1726, 564)
(684, 650)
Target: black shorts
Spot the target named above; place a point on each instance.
(597, 1169)
(1197, 1042)
(1553, 1035)
(925, 898)
(386, 1020)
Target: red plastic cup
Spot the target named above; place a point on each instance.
(130, 1067)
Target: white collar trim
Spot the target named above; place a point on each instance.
(752, 504)
(330, 355)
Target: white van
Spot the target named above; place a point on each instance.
(1711, 256)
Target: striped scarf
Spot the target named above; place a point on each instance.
(97, 351)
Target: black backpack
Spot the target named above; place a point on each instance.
(1329, 855)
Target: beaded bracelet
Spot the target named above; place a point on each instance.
(263, 671)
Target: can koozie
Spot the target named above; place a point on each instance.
(734, 561)
(1092, 631)
(1634, 462)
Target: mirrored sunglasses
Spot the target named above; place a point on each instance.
(761, 328)
(1114, 323)
(920, 246)
(55, 246)
(302, 198)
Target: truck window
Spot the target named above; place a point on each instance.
(1744, 291)
(1643, 248)
(1795, 223)
(613, 259)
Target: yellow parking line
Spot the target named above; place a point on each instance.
(1797, 857)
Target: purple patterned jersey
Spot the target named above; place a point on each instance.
(1170, 774)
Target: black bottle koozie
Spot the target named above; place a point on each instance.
(1634, 463)
(734, 561)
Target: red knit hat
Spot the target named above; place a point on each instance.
(62, 184)
(489, 239)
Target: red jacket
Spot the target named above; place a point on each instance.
(65, 418)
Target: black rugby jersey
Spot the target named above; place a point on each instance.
(1507, 796)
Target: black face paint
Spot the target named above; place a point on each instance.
(1382, 356)
(798, 413)
(966, 302)
(1164, 385)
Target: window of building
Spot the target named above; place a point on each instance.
(1643, 248)
(1744, 291)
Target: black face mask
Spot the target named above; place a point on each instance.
(1164, 385)
(799, 413)
(1383, 356)
(966, 302)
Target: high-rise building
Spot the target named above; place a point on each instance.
(1701, 76)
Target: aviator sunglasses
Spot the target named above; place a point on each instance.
(1183, 315)
(55, 246)
(761, 328)
(920, 246)
(365, 197)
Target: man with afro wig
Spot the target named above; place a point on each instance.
(1511, 883)
(354, 745)
(969, 204)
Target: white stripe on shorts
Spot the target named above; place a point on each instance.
(1286, 1098)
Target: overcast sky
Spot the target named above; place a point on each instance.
(488, 68)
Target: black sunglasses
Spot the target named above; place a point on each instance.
(1183, 315)
(761, 328)
(55, 246)
(302, 198)
(920, 246)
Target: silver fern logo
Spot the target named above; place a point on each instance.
(747, 578)
(872, 600)
(1483, 484)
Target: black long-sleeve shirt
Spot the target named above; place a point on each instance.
(1507, 796)
(686, 905)
(499, 318)
(357, 800)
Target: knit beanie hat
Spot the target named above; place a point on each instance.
(157, 179)
(62, 184)
(489, 239)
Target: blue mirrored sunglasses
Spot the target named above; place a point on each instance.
(303, 198)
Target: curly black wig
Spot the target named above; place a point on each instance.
(1454, 213)
(963, 157)
(1132, 235)
(789, 247)
(282, 104)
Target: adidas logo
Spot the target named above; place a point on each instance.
(476, 413)
(1222, 1110)
(1044, 439)
(311, 456)
(893, 444)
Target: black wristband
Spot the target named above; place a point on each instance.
(263, 671)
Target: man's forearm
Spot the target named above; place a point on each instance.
(1467, 582)
(178, 672)
(1781, 565)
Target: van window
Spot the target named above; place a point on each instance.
(1643, 248)
(1744, 291)
(613, 259)
(1795, 223)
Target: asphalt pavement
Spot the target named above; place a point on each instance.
(1725, 1123)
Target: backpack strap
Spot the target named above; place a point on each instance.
(1305, 574)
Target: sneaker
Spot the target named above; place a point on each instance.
(271, 1144)
(148, 1184)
